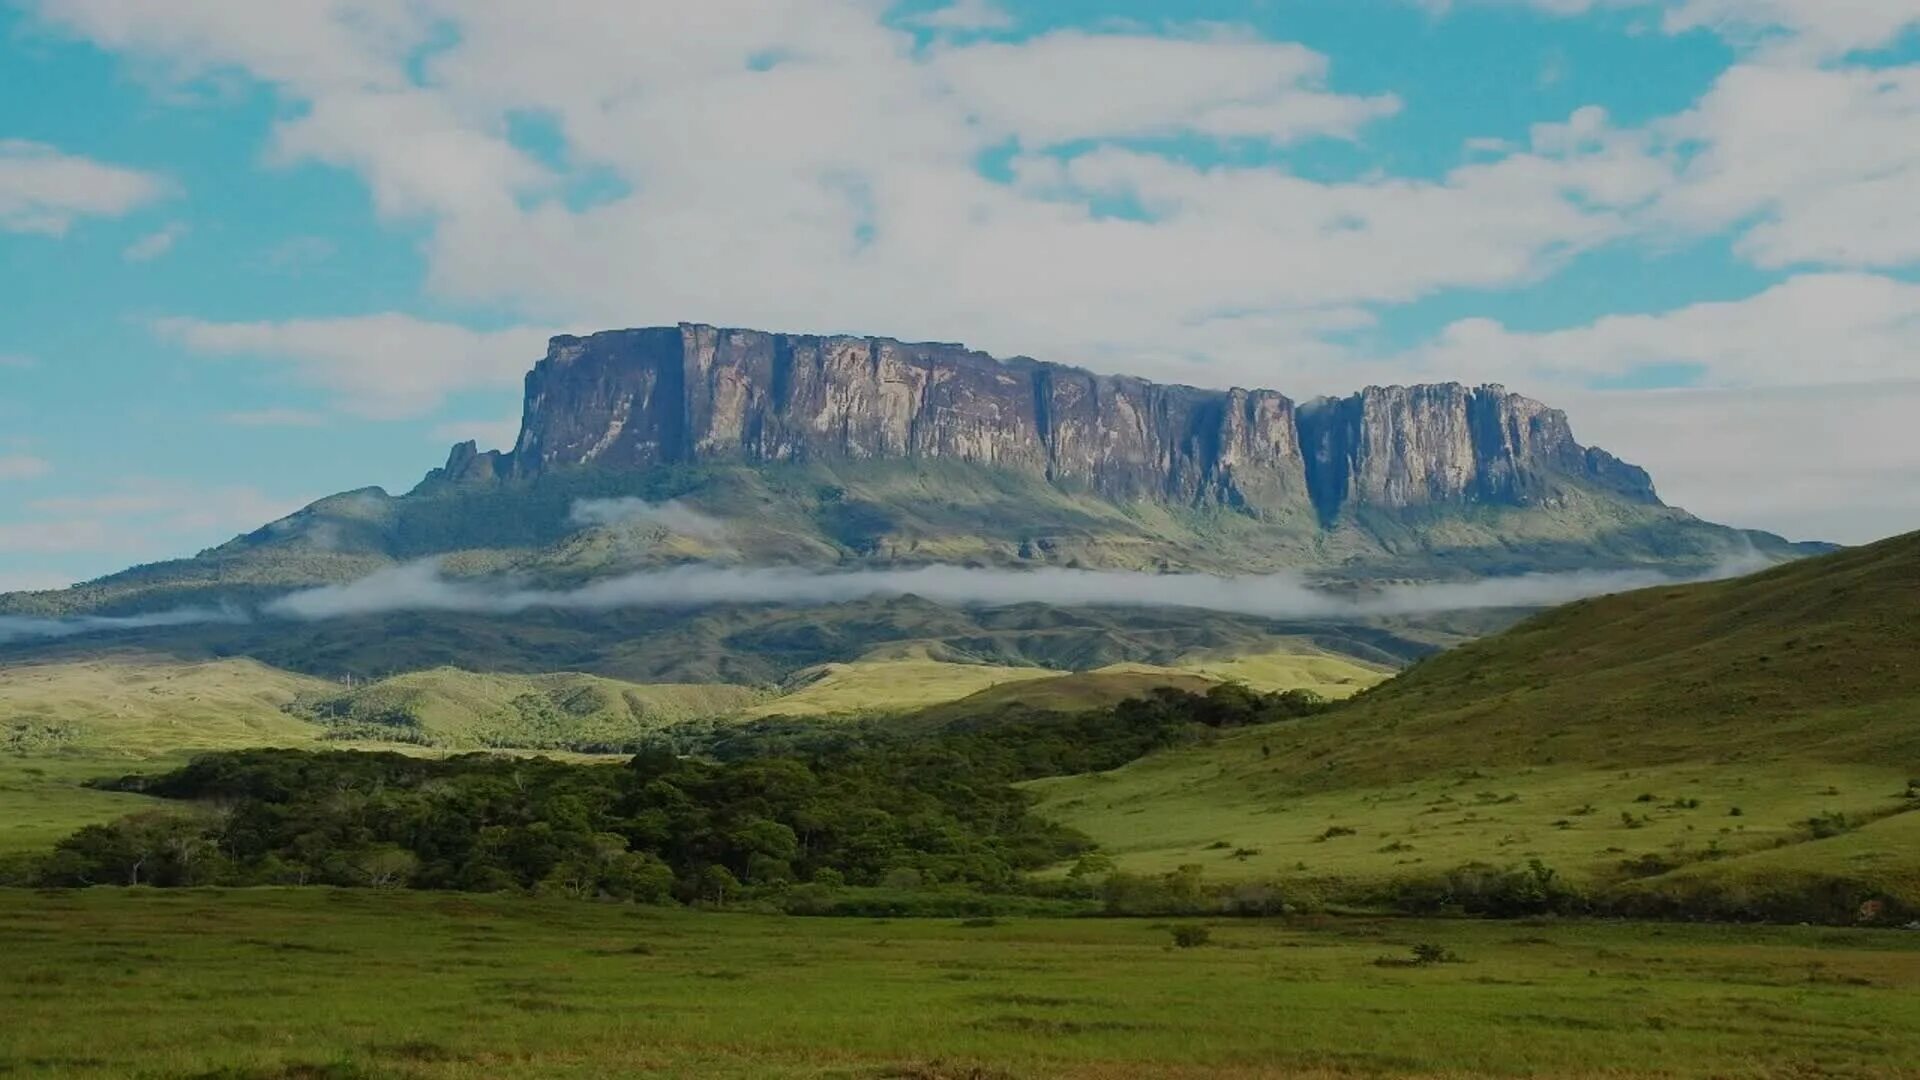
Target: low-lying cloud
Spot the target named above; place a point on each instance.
(672, 515)
(34, 628)
(420, 587)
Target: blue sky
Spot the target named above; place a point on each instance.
(256, 254)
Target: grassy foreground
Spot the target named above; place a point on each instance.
(278, 984)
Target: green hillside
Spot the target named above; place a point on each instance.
(881, 512)
(1731, 740)
(447, 707)
(135, 705)
(1816, 659)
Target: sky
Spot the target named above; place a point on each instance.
(254, 254)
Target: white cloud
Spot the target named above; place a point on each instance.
(1812, 330)
(155, 244)
(964, 16)
(1801, 27)
(1823, 162)
(18, 361)
(672, 515)
(799, 164)
(1811, 462)
(22, 467)
(382, 366)
(1071, 85)
(43, 190)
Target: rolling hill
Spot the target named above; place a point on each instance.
(1717, 738)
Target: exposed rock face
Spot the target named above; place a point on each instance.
(629, 399)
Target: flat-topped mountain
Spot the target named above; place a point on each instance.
(641, 399)
(656, 447)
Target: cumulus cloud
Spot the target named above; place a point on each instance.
(1862, 328)
(672, 515)
(805, 165)
(1818, 165)
(43, 190)
(420, 587)
(381, 366)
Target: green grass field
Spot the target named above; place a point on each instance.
(1228, 808)
(138, 705)
(278, 985)
(42, 799)
(867, 687)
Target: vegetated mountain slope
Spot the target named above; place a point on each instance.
(761, 645)
(889, 685)
(137, 704)
(1818, 658)
(1697, 745)
(448, 707)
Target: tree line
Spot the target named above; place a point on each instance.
(874, 806)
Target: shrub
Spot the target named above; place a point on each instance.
(1831, 823)
(1191, 937)
(1426, 954)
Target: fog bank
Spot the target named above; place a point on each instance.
(30, 627)
(420, 587)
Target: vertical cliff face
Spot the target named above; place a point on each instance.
(631, 399)
(1402, 446)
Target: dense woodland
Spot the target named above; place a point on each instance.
(863, 807)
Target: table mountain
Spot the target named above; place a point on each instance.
(634, 400)
(651, 447)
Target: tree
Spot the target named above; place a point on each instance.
(383, 866)
(716, 885)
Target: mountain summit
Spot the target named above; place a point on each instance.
(700, 395)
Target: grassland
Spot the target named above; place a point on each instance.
(899, 685)
(1296, 666)
(44, 799)
(276, 985)
(448, 707)
(1809, 661)
(1703, 727)
(1229, 809)
(138, 705)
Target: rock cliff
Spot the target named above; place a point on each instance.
(631, 399)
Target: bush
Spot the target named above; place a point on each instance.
(1832, 823)
(1191, 937)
